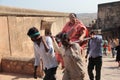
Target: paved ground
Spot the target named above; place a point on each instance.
(110, 71)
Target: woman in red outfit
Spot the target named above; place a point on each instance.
(75, 29)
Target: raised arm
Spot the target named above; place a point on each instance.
(57, 48)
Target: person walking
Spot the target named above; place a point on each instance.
(44, 50)
(73, 61)
(105, 46)
(57, 55)
(113, 48)
(118, 54)
(95, 56)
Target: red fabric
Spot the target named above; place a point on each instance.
(77, 28)
(109, 48)
(105, 46)
(59, 58)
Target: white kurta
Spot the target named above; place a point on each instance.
(48, 58)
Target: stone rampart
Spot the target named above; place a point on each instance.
(14, 25)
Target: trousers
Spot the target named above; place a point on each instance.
(97, 64)
(50, 73)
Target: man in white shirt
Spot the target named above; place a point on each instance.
(44, 50)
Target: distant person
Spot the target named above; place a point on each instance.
(105, 46)
(73, 61)
(94, 22)
(118, 54)
(44, 50)
(113, 48)
(95, 56)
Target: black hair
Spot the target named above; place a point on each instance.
(32, 30)
(92, 32)
(74, 14)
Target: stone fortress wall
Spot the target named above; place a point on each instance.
(109, 19)
(15, 45)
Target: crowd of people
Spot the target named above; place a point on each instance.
(72, 40)
(111, 48)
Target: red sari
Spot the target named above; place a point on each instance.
(75, 31)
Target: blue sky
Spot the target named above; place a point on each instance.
(76, 6)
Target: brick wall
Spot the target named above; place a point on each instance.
(19, 65)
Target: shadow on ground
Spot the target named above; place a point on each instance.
(17, 76)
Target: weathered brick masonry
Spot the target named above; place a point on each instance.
(109, 19)
(19, 65)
